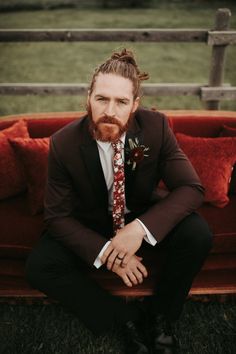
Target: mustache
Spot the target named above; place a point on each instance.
(108, 119)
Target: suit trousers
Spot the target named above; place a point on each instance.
(59, 273)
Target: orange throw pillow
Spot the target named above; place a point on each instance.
(12, 179)
(213, 159)
(230, 132)
(33, 153)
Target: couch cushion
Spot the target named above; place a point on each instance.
(33, 153)
(229, 131)
(213, 159)
(12, 179)
(19, 230)
(222, 223)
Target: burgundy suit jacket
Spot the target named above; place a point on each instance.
(76, 202)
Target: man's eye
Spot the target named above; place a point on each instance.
(122, 102)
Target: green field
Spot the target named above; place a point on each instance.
(74, 62)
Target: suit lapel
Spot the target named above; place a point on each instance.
(130, 175)
(90, 155)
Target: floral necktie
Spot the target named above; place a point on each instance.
(118, 188)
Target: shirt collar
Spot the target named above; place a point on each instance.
(105, 146)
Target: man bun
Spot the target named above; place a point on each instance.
(122, 64)
(128, 57)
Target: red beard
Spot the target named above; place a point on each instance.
(109, 132)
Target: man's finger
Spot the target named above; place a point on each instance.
(107, 253)
(125, 260)
(132, 278)
(118, 261)
(121, 256)
(138, 274)
(111, 259)
(115, 267)
(139, 258)
(126, 280)
(143, 270)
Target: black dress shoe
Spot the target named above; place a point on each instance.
(163, 338)
(134, 339)
(165, 344)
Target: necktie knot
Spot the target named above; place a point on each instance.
(117, 159)
(117, 146)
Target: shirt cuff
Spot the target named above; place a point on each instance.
(148, 237)
(98, 263)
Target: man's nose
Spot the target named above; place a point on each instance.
(110, 109)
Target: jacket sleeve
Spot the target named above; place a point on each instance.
(186, 191)
(59, 205)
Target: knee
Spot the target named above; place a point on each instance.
(201, 239)
(196, 235)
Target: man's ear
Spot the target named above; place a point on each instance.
(136, 104)
(88, 97)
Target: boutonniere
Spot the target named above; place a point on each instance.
(135, 152)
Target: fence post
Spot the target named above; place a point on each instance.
(218, 55)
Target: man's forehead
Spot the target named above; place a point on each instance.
(109, 84)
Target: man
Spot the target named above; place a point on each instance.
(101, 209)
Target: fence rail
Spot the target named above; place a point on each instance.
(111, 35)
(219, 38)
(82, 89)
(108, 35)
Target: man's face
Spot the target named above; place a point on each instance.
(111, 106)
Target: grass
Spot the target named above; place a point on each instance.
(204, 328)
(74, 62)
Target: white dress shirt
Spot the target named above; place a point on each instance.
(106, 154)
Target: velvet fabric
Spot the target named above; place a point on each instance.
(201, 126)
(33, 154)
(20, 230)
(228, 131)
(213, 159)
(222, 223)
(12, 179)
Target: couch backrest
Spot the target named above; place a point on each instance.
(201, 126)
(42, 124)
(195, 123)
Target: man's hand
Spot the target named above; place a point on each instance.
(133, 273)
(124, 245)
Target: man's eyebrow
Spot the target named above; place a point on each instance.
(99, 95)
(117, 98)
(124, 99)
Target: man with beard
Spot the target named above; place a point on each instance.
(102, 210)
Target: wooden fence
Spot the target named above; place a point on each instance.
(219, 38)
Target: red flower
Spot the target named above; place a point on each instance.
(136, 155)
(136, 152)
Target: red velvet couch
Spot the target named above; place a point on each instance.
(20, 229)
